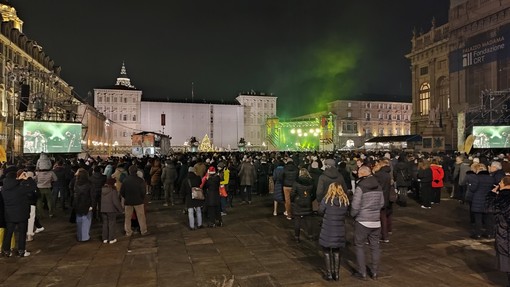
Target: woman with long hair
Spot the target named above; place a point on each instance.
(82, 204)
(333, 209)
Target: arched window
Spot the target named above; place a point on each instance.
(424, 99)
(443, 90)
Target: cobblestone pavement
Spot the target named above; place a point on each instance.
(254, 248)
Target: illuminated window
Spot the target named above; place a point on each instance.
(349, 104)
(367, 116)
(349, 114)
(424, 97)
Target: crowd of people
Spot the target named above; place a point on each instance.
(303, 185)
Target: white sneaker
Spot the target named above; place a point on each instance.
(113, 241)
(26, 254)
(105, 241)
(30, 238)
(37, 230)
(275, 213)
(285, 213)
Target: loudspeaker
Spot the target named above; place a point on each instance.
(24, 99)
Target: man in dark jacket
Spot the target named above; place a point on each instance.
(133, 195)
(330, 175)
(366, 207)
(194, 206)
(97, 180)
(16, 196)
(402, 176)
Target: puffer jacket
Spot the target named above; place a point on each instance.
(479, 189)
(290, 174)
(301, 196)
(384, 178)
(333, 224)
(437, 176)
(368, 200)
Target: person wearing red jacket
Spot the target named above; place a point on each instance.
(437, 180)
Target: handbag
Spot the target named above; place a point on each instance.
(223, 191)
(196, 192)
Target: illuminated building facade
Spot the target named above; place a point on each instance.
(30, 85)
(460, 73)
(121, 104)
(258, 107)
(356, 121)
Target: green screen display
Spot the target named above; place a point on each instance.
(51, 137)
(491, 136)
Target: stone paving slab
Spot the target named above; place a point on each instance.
(254, 248)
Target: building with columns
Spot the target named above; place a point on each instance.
(460, 73)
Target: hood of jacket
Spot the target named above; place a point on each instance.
(10, 182)
(369, 183)
(303, 180)
(332, 173)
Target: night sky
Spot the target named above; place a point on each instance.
(306, 52)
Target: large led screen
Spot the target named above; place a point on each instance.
(491, 136)
(51, 137)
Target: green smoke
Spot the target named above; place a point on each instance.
(318, 75)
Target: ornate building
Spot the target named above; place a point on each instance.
(460, 73)
(359, 120)
(30, 85)
(258, 107)
(121, 104)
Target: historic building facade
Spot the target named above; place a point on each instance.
(460, 73)
(357, 121)
(121, 104)
(258, 107)
(31, 88)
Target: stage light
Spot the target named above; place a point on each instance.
(293, 131)
(299, 131)
(306, 134)
(311, 131)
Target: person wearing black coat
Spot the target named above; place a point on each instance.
(16, 196)
(382, 172)
(425, 179)
(97, 180)
(402, 175)
(289, 176)
(333, 208)
(133, 190)
(477, 192)
(194, 206)
(212, 198)
(83, 202)
(501, 205)
(301, 198)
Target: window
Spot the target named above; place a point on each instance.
(368, 105)
(424, 99)
(124, 117)
(114, 99)
(107, 99)
(349, 105)
(367, 116)
(380, 116)
(350, 127)
(381, 132)
(398, 117)
(100, 99)
(134, 118)
(125, 100)
(349, 114)
(424, 70)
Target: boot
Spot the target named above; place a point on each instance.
(329, 269)
(336, 265)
